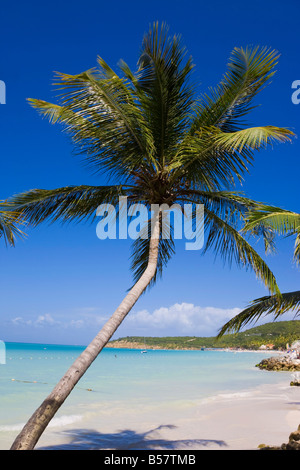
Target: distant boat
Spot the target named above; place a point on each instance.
(144, 350)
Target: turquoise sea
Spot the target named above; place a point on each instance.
(120, 380)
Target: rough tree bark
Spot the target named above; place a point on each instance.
(40, 419)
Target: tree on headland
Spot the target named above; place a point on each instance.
(285, 223)
(148, 131)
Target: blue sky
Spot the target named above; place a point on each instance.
(61, 284)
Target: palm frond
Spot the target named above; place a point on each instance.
(249, 70)
(9, 224)
(233, 207)
(99, 112)
(297, 249)
(285, 223)
(276, 305)
(222, 202)
(253, 138)
(207, 164)
(276, 219)
(166, 93)
(281, 220)
(66, 204)
(216, 142)
(223, 157)
(227, 242)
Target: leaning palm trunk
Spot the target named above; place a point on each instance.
(36, 425)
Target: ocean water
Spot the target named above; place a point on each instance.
(120, 380)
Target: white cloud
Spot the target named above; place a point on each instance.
(181, 319)
(80, 319)
(21, 321)
(40, 321)
(46, 320)
(77, 323)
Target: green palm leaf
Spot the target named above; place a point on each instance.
(233, 207)
(9, 222)
(281, 220)
(284, 223)
(249, 70)
(207, 147)
(223, 157)
(105, 125)
(297, 249)
(167, 95)
(276, 305)
(228, 243)
(66, 204)
(253, 138)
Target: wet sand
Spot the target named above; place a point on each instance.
(234, 421)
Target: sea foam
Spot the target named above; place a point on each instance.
(55, 423)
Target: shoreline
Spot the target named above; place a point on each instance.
(139, 346)
(241, 417)
(240, 420)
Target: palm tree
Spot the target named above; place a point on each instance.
(284, 223)
(8, 224)
(147, 132)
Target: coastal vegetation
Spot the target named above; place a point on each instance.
(275, 335)
(156, 143)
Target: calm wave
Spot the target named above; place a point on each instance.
(120, 379)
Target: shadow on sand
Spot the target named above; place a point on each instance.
(86, 439)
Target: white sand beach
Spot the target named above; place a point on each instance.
(235, 421)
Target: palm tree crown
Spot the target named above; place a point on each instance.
(148, 132)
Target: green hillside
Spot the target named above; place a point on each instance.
(277, 333)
